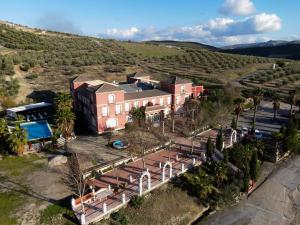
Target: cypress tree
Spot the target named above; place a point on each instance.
(209, 149)
(254, 167)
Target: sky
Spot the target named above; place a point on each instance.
(214, 22)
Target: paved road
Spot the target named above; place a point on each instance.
(275, 202)
(264, 118)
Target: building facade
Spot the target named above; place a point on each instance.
(106, 106)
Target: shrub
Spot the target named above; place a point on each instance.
(32, 76)
(118, 218)
(24, 67)
(136, 201)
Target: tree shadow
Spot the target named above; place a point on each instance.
(42, 96)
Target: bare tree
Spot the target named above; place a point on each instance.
(74, 178)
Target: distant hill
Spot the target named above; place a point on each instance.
(186, 44)
(36, 62)
(274, 49)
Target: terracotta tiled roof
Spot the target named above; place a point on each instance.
(177, 80)
(105, 87)
(145, 94)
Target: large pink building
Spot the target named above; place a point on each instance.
(106, 106)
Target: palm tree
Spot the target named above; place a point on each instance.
(65, 122)
(63, 100)
(65, 117)
(17, 140)
(276, 105)
(257, 97)
(291, 99)
(220, 170)
(239, 107)
(3, 128)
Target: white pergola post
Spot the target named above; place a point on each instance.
(194, 161)
(104, 208)
(82, 219)
(182, 167)
(73, 204)
(130, 179)
(159, 165)
(123, 198)
(177, 157)
(109, 187)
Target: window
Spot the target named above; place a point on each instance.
(161, 101)
(182, 89)
(145, 102)
(169, 100)
(105, 111)
(178, 100)
(136, 104)
(127, 106)
(111, 98)
(118, 109)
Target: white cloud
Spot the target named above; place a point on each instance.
(237, 7)
(266, 22)
(126, 33)
(216, 31)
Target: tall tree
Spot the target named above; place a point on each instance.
(220, 140)
(254, 167)
(257, 96)
(291, 99)
(246, 178)
(233, 124)
(17, 140)
(65, 117)
(209, 149)
(74, 178)
(276, 105)
(239, 107)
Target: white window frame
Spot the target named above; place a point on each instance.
(161, 101)
(169, 100)
(127, 106)
(111, 98)
(118, 109)
(105, 111)
(145, 102)
(178, 100)
(182, 89)
(153, 101)
(136, 104)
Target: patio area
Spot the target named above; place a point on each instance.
(115, 188)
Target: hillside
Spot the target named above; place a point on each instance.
(288, 50)
(35, 63)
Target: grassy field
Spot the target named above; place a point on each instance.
(9, 202)
(18, 166)
(168, 205)
(151, 50)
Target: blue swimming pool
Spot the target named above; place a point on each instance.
(37, 130)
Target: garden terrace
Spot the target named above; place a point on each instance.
(115, 188)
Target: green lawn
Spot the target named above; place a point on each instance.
(16, 166)
(150, 50)
(9, 201)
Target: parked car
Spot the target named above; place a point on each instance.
(258, 134)
(244, 131)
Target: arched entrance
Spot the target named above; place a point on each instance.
(144, 174)
(163, 175)
(233, 137)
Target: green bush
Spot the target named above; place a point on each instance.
(118, 218)
(32, 76)
(136, 201)
(24, 67)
